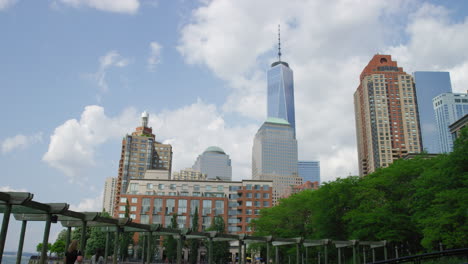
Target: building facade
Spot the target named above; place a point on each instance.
(448, 108)
(215, 163)
(189, 174)
(386, 112)
(428, 85)
(109, 194)
(280, 97)
(309, 171)
(238, 202)
(141, 152)
(457, 126)
(274, 156)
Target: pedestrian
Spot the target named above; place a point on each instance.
(71, 256)
(97, 258)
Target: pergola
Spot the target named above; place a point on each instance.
(24, 209)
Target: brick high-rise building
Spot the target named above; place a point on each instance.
(387, 121)
(141, 152)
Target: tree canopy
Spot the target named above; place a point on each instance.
(417, 203)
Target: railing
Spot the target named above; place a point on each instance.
(434, 255)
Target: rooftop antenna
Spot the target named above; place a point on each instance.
(279, 43)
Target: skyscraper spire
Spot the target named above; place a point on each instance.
(279, 43)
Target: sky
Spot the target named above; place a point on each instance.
(76, 75)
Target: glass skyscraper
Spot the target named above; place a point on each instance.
(429, 85)
(309, 171)
(280, 102)
(274, 156)
(448, 108)
(215, 163)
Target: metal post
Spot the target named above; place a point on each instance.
(306, 255)
(106, 250)
(318, 258)
(385, 252)
(149, 254)
(116, 246)
(179, 250)
(245, 254)
(240, 252)
(45, 240)
(19, 254)
(276, 255)
(67, 242)
(143, 247)
(325, 254)
(268, 252)
(364, 254)
(339, 255)
(3, 232)
(354, 254)
(441, 248)
(396, 251)
(373, 254)
(297, 254)
(210, 250)
(83, 238)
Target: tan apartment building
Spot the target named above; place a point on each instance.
(387, 122)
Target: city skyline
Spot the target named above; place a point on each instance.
(82, 74)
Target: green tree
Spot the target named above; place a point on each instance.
(58, 248)
(220, 248)
(97, 239)
(170, 243)
(194, 244)
(39, 247)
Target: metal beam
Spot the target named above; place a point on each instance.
(45, 240)
(3, 232)
(19, 253)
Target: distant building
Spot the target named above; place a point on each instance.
(387, 124)
(189, 174)
(238, 202)
(309, 171)
(429, 84)
(109, 194)
(215, 163)
(274, 156)
(141, 152)
(308, 185)
(457, 126)
(448, 107)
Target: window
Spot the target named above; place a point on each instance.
(170, 206)
(266, 187)
(257, 187)
(122, 208)
(208, 188)
(257, 203)
(258, 195)
(133, 216)
(248, 203)
(161, 186)
(158, 202)
(133, 208)
(172, 187)
(149, 186)
(207, 204)
(248, 187)
(144, 219)
(182, 208)
(248, 211)
(134, 200)
(121, 215)
(123, 199)
(248, 195)
(196, 187)
(194, 205)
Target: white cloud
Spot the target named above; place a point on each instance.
(88, 205)
(327, 44)
(111, 59)
(10, 189)
(20, 142)
(4, 4)
(73, 144)
(116, 6)
(155, 55)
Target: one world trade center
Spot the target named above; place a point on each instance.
(281, 91)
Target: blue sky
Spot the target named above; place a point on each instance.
(76, 74)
